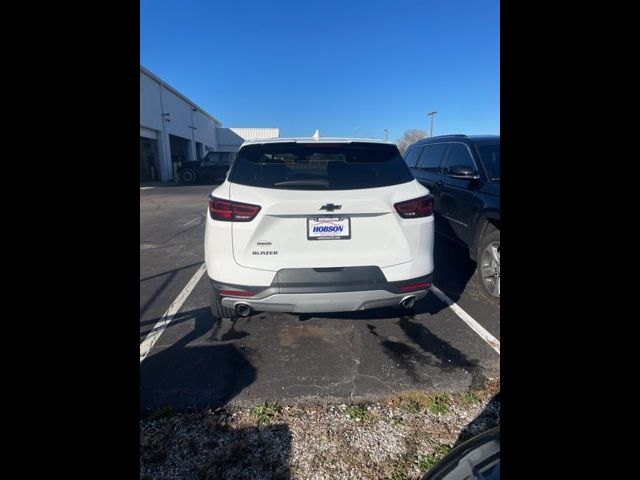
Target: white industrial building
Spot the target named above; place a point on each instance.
(230, 139)
(174, 130)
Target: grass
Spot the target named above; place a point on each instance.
(266, 411)
(399, 474)
(401, 467)
(439, 404)
(357, 412)
(414, 406)
(161, 412)
(397, 421)
(412, 401)
(416, 401)
(471, 398)
(427, 462)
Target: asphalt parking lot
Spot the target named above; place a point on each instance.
(198, 362)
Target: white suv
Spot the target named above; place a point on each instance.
(318, 225)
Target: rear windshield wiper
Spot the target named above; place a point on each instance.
(302, 183)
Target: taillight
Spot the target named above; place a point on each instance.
(228, 211)
(416, 208)
(415, 286)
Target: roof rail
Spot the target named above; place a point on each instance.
(451, 135)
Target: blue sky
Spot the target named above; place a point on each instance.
(348, 68)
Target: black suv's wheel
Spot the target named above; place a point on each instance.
(188, 176)
(489, 264)
(216, 306)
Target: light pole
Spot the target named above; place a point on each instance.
(431, 114)
(385, 135)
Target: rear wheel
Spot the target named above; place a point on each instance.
(188, 176)
(489, 264)
(217, 309)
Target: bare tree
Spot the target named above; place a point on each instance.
(410, 136)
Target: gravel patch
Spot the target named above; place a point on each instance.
(397, 437)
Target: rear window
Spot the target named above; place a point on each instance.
(320, 166)
(490, 156)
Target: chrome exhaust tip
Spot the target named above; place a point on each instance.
(408, 302)
(243, 310)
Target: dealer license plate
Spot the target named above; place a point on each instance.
(328, 228)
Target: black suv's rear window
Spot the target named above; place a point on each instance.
(320, 166)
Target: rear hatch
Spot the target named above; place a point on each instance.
(323, 205)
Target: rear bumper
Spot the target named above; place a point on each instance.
(308, 290)
(323, 302)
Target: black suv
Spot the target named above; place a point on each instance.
(463, 174)
(213, 168)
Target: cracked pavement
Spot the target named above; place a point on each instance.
(199, 362)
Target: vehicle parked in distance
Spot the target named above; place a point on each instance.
(213, 169)
(318, 225)
(462, 172)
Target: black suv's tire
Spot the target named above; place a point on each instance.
(188, 176)
(217, 309)
(489, 264)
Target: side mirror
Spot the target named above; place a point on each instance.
(463, 172)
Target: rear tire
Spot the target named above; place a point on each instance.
(217, 309)
(489, 265)
(188, 176)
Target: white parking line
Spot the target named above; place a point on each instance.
(158, 328)
(145, 188)
(466, 318)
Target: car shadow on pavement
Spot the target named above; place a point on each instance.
(196, 371)
(443, 355)
(453, 267)
(432, 351)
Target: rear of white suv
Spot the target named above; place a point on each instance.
(304, 225)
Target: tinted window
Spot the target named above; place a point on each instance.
(412, 156)
(432, 157)
(458, 155)
(218, 158)
(318, 166)
(490, 157)
(210, 157)
(225, 159)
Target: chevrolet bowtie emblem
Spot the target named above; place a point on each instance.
(330, 207)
